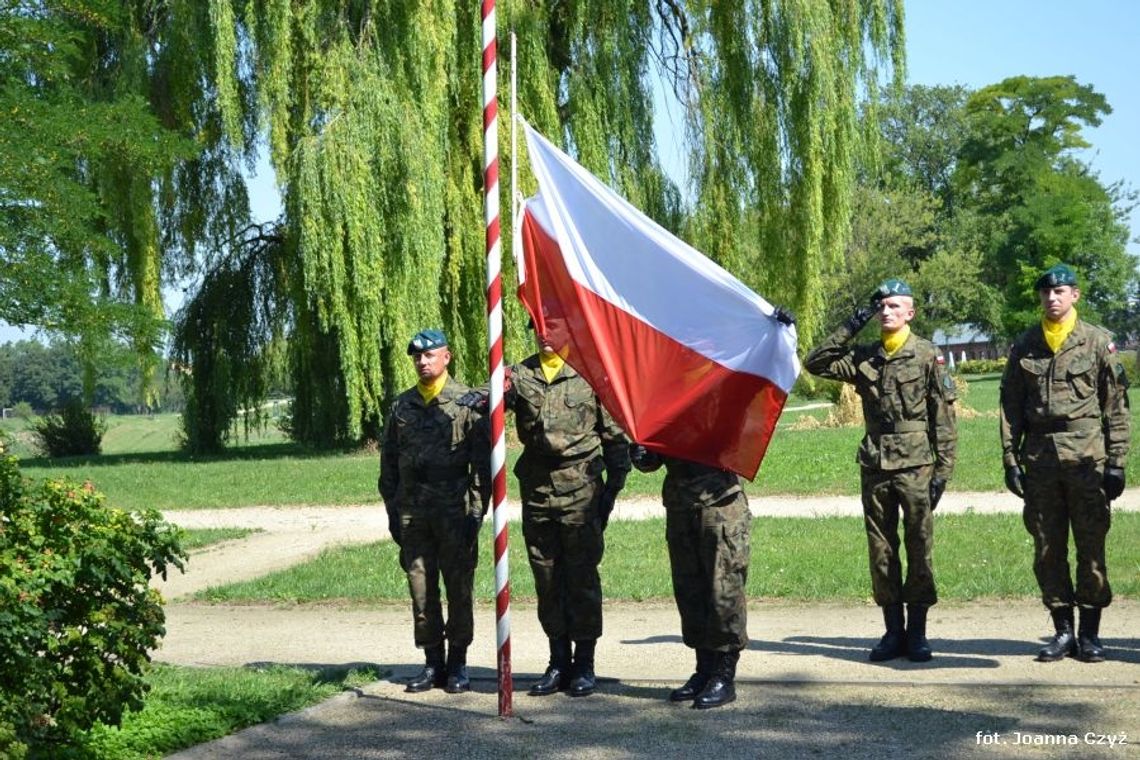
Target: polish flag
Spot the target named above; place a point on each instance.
(683, 355)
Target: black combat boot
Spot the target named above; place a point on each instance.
(893, 643)
(721, 688)
(1063, 642)
(557, 675)
(583, 683)
(917, 647)
(433, 674)
(1088, 643)
(457, 680)
(697, 681)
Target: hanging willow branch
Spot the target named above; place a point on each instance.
(374, 119)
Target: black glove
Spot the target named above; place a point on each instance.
(474, 399)
(394, 526)
(471, 526)
(1113, 482)
(860, 317)
(937, 488)
(1015, 481)
(642, 458)
(784, 316)
(614, 484)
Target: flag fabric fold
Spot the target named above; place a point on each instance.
(686, 358)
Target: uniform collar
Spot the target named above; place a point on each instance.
(533, 364)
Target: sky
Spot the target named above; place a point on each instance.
(973, 43)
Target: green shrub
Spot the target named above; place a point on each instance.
(77, 615)
(70, 431)
(981, 366)
(23, 411)
(809, 386)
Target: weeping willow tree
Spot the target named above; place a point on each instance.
(114, 170)
(771, 89)
(373, 112)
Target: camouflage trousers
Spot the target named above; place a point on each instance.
(565, 545)
(709, 552)
(1056, 498)
(436, 545)
(886, 493)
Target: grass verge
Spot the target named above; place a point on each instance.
(188, 706)
(199, 538)
(809, 559)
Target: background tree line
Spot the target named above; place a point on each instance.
(813, 174)
(46, 377)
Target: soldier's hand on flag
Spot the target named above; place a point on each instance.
(784, 316)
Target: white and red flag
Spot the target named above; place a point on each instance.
(684, 356)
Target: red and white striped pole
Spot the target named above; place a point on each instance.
(495, 342)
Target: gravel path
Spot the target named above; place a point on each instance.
(806, 688)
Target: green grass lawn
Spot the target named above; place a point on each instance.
(202, 537)
(808, 559)
(188, 706)
(799, 462)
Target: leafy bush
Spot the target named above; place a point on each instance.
(809, 386)
(77, 615)
(981, 366)
(70, 431)
(23, 411)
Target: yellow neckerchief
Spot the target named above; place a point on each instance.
(551, 365)
(892, 342)
(1056, 332)
(428, 391)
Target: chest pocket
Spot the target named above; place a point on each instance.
(867, 382)
(1035, 372)
(1080, 377)
(911, 391)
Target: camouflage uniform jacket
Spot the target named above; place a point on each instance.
(568, 437)
(690, 485)
(1070, 407)
(435, 455)
(907, 400)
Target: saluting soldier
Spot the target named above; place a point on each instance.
(569, 442)
(707, 527)
(906, 456)
(1065, 431)
(434, 478)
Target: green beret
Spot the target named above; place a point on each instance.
(1055, 276)
(894, 287)
(426, 340)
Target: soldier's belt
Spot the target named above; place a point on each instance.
(455, 472)
(902, 426)
(1064, 426)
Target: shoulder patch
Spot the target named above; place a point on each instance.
(1111, 347)
(941, 359)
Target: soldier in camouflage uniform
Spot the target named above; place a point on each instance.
(569, 440)
(1065, 430)
(707, 527)
(434, 479)
(905, 458)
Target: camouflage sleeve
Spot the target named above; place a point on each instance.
(833, 358)
(1113, 392)
(940, 397)
(479, 446)
(1012, 408)
(389, 480)
(615, 446)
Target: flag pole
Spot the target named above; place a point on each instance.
(495, 357)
